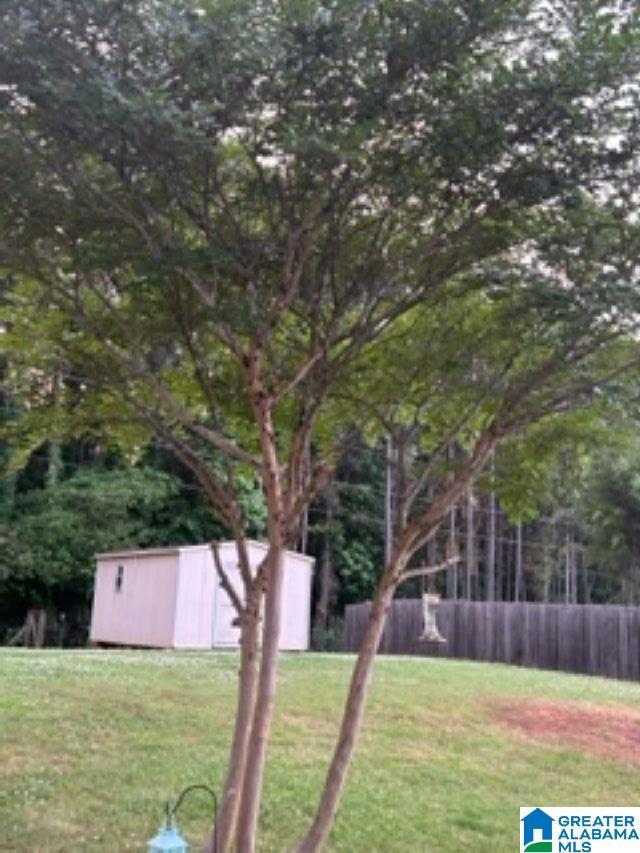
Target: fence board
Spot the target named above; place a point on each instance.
(594, 639)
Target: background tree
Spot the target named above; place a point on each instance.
(50, 534)
(347, 537)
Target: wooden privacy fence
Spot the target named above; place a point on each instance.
(596, 639)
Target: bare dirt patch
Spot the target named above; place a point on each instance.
(609, 733)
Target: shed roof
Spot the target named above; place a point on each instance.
(171, 550)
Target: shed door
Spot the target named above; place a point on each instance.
(224, 632)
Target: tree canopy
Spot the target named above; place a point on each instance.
(185, 181)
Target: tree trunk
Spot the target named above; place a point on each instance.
(518, 593)
(414, 536)
(470, 554)
(263, 712)
(567, 568)
(546, 581)
(491, 550)
(224, 831)
(388, 499)
(304, 531)
(509, 571)
(267, 679)
(326, 567)
(54, 461)
(432, 559)
(304, 521)
(452, 573)
(500, 531)
(586, 584)
(428, 583)
(351, 722)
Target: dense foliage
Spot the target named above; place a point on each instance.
(50, 532)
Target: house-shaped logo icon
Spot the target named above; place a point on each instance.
(538, 832)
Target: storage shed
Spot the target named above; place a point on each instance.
(172, 598)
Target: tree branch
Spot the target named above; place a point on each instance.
(225, 582)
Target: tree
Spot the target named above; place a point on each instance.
(49, 536)
(221, 216)
(495, 406)
(346, 532)
(609, 516)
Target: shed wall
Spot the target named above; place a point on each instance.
(296, 595)
(193, 622)
(174, 600)
(141, 612)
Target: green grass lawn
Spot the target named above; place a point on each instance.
(92, 743)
